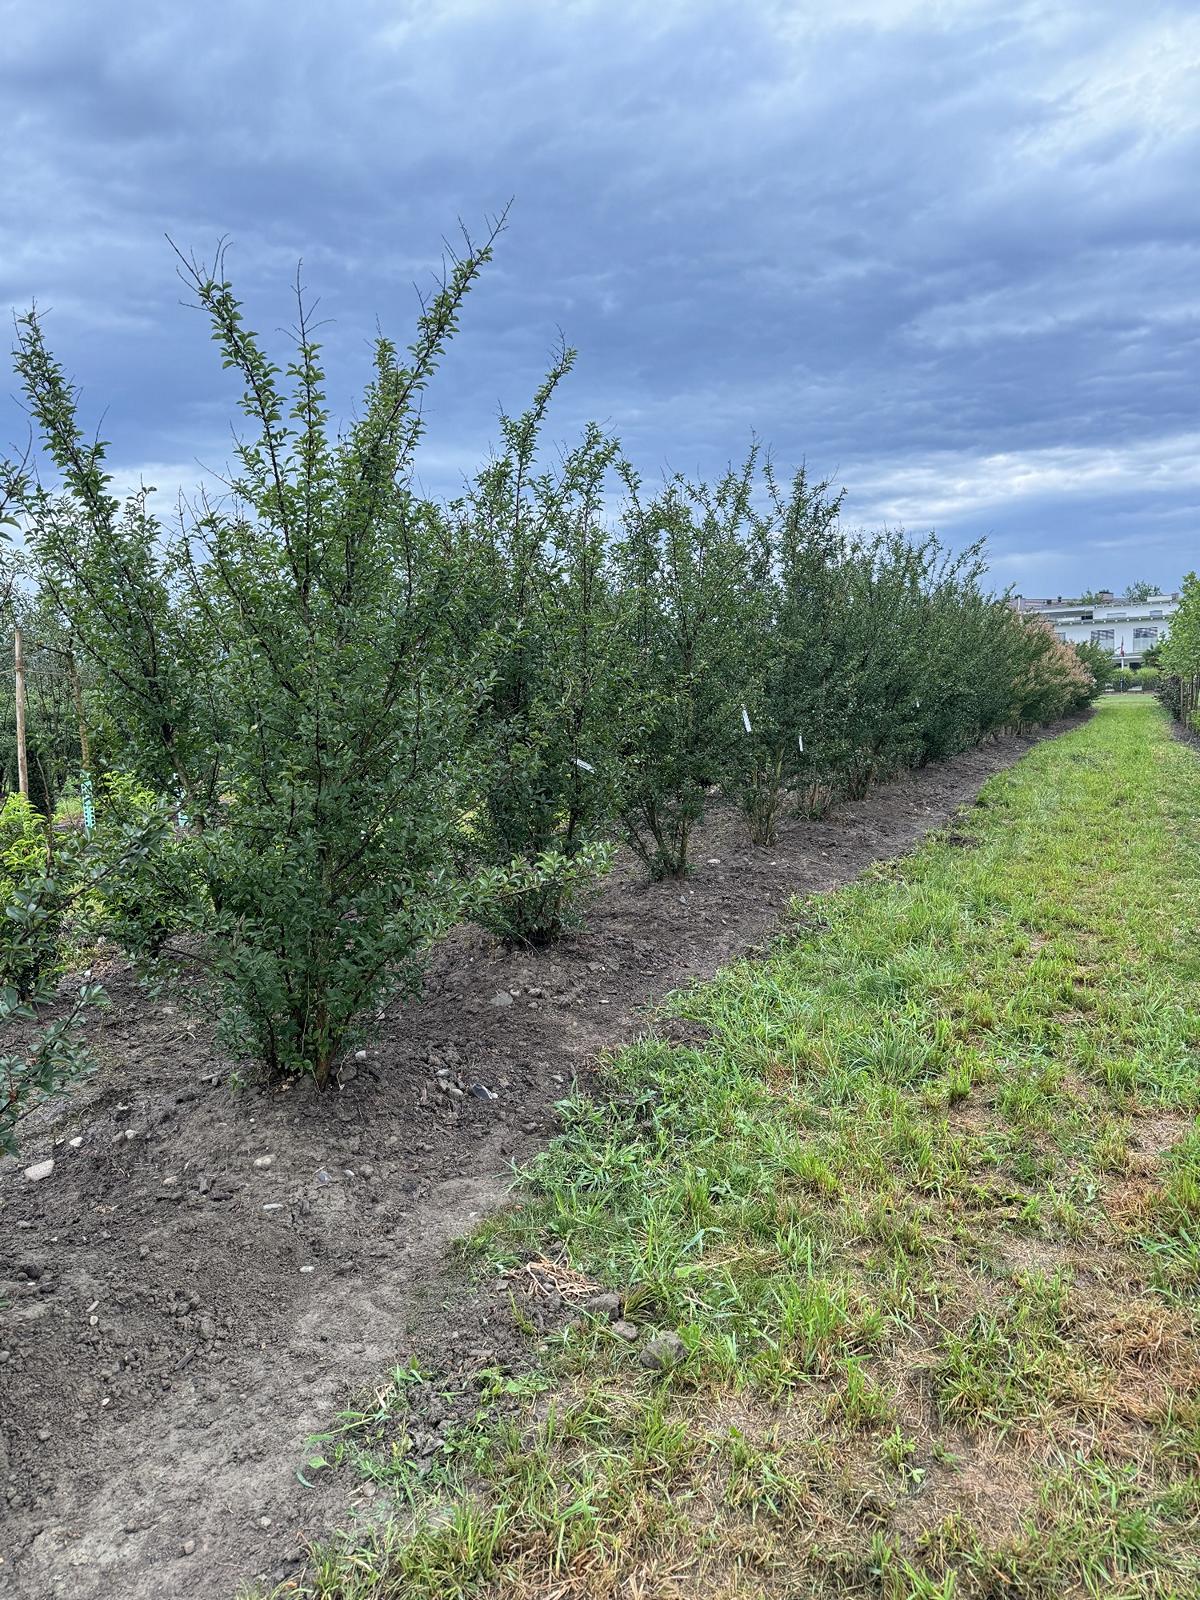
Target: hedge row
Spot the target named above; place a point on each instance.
(349, 716)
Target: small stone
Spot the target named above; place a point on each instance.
(130, 1135)
(604, 1305)
(39, 1170)
(360, 1055)
(43, 1434)
(208, 1328)
(308, 1269)
(263, 1162)
(662, 1353)
(76, 1142)
(626, 1330)
(187, 1547)
(264, 1522)
(273, 1205)
(500, 999)
(481, 1092)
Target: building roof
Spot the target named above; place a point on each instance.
(1109, 610)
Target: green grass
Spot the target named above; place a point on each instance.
(925, 1211)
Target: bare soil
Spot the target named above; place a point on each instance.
(212, 1268)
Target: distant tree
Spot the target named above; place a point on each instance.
(1141, 590)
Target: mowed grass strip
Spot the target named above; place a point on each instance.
(924, 1209)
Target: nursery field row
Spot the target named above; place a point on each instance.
(884, 1282)
(340, 749)
(327, 719)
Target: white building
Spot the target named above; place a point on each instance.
(1126, 628)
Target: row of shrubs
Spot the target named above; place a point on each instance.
(349, 716)
(1147, 678)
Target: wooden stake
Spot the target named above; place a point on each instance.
(19, 673)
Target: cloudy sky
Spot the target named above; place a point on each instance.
(946, 250)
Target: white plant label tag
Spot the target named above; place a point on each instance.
(87, 795)
(585, 765)
(800, 742)
(746, 720)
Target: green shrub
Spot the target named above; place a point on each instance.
(530, 902)
(1099, 663)
(47, 1062)
(886, 662)
(282, 666)
(795, 617)
(1170, 693)
(533, 619)
(24, 852)
(1179, 655)
(33, 898)
(144, 874)
(681, 572)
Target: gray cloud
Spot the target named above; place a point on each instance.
(904, 241)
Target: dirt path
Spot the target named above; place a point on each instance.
(207, 1272)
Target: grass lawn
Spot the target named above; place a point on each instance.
(922, 1204)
